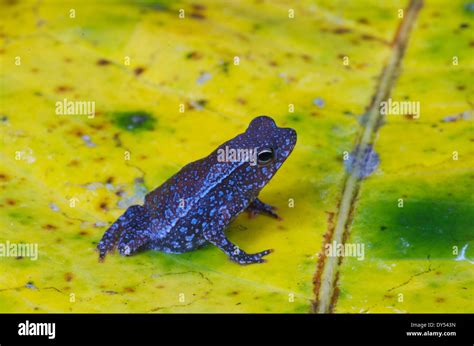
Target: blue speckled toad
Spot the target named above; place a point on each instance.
(194, 206)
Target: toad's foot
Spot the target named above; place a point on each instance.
(129, 231)
(258, 207)
(242, 257)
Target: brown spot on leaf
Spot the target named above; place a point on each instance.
(49, 227)
(367, 37)
(198, 104)
(68, 277)
(3, 177)
(129, 290)
(341, 30)
(440, 300)
(103, 62)
(103, 205)
(197, 15)
(63, 88)
(194, 55)
(306, 57)
(73, 163)
(360, 66)
(10, 201)
(139, 70)
(198, 7)
(98, 126)
(77, 132)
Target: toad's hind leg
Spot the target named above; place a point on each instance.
(217, 237)
(112, 236)
(136, 235)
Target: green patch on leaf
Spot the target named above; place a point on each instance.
(134, 121)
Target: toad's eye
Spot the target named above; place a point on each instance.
(265, 156)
